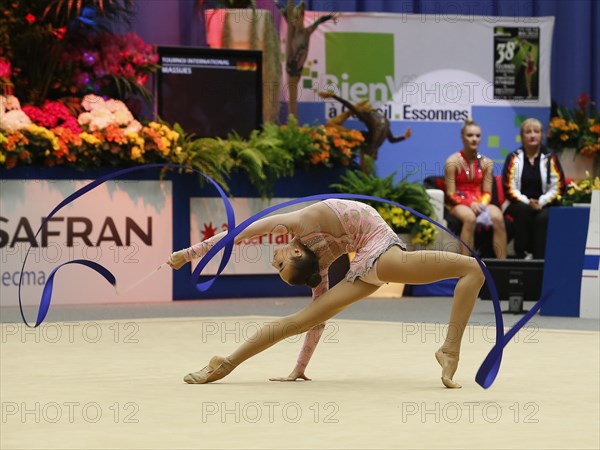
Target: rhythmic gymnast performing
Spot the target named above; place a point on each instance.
(323, 232)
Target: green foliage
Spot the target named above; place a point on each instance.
(294, 140)
(278, 161)
(357, 182)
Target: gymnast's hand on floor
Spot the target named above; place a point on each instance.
(177, 260)
(292, 377)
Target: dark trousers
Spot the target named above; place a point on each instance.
(530, 227)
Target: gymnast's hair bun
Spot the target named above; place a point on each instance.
(314, 280)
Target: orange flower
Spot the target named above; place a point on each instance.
(115, 134)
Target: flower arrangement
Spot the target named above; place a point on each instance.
(577, 128)
(334, 145)
(108, 63)
(581, 192)
(104, 134)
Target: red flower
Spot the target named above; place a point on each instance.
(583, 101)
(40, 117)
(60, 33)
(30, 18)
(4, 68)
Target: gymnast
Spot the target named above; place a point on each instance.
(469, 176)
(323, 232)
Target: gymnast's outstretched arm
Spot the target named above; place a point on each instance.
(310, 340)
(280, 223)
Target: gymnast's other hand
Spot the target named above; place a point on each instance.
(295, 375)
(177, 259)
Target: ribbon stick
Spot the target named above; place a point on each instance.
(140, 281)
(489, 368)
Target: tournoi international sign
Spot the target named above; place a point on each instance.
(430, 73)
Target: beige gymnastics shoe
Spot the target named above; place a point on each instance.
(217, 368)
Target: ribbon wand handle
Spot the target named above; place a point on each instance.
(140, 281)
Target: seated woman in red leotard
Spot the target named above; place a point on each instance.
(468, 177)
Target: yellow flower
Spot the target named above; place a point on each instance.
(90, 139)
(44, 133)
(136, 153)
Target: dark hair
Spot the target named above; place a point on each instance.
(306, 268)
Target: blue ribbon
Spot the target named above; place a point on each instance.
(487, 371)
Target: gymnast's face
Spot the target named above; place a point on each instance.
(471, 137)
(282, 260)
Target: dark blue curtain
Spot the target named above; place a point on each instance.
(575, 47)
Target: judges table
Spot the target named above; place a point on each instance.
(564, 261)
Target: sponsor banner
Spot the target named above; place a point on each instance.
(430, 73)
(253, 256)
(406, 63)
(589, 305)
(125, 225)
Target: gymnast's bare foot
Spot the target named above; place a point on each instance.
(449, 362)
(217, 368)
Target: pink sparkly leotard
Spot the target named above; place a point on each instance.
(366, 234)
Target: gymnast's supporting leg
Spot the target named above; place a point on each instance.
(320, 310)
(429, 266)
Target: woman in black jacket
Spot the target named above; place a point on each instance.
(533, 180)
